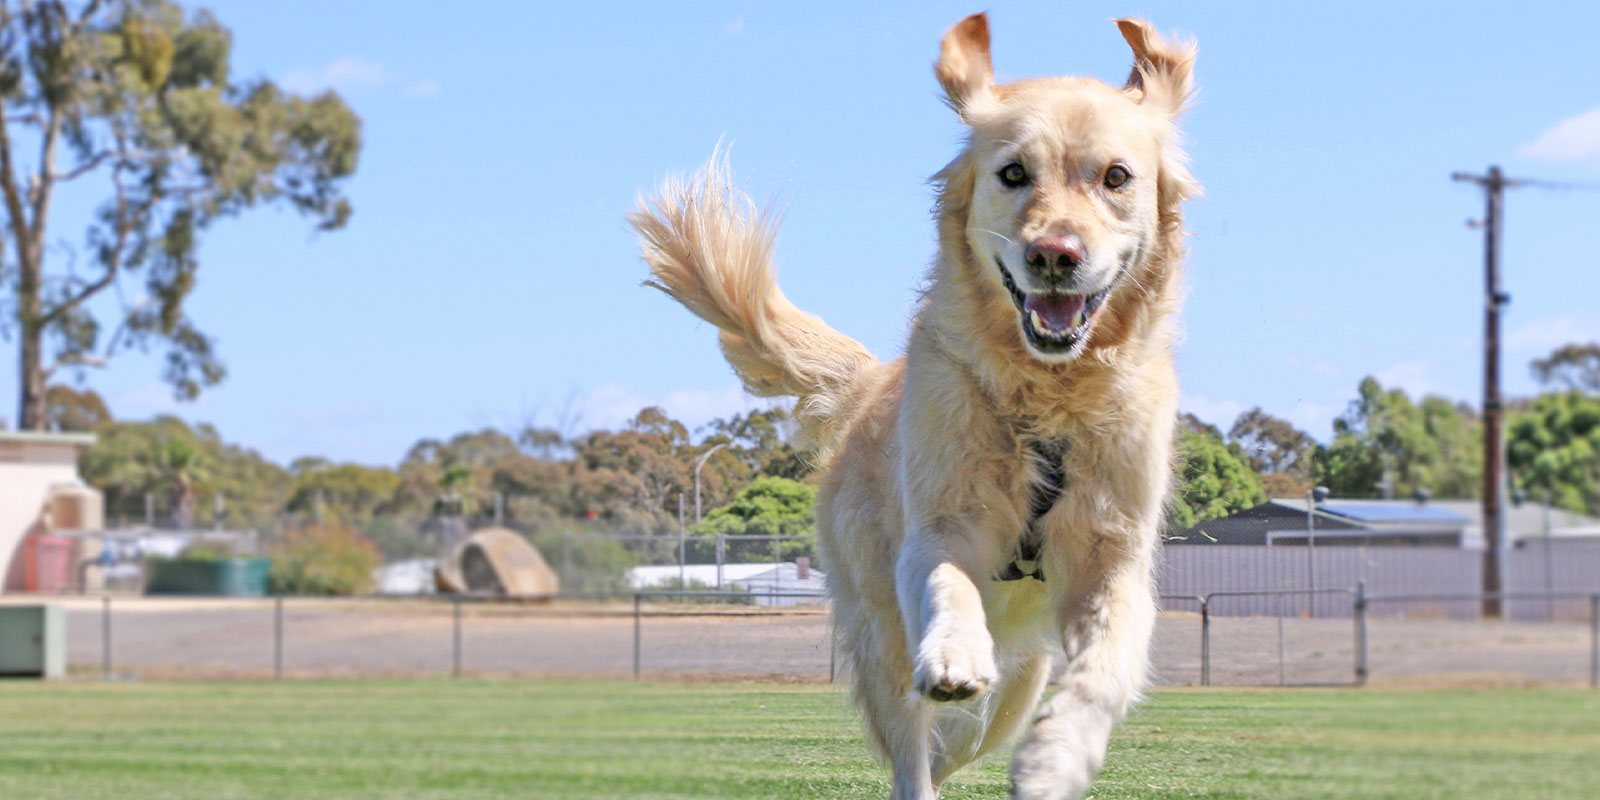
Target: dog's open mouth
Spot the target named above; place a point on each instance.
(1053, 322)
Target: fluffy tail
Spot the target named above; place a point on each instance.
(710, 249)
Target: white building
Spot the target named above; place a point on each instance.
(762, 578)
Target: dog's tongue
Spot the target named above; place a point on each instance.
(1057, 310)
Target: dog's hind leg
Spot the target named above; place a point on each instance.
(897, 721)
(1016, 702)
(900, 723)
(962, 735)
(1107, 639)
(957, 733)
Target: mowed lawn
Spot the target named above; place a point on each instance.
(601, 739)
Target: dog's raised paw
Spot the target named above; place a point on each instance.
(946, 693)
(950, 672)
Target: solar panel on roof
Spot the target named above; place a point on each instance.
(1399, 512)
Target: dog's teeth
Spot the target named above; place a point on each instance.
(1038, 323)
(1078, 319)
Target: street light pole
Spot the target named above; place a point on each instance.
(1314, 496)
(698, 464)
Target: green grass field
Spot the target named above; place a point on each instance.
(596, 739)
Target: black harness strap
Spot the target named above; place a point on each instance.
(1042, 497)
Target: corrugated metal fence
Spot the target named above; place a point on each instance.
(1202, 569)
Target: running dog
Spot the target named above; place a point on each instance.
(991, 501)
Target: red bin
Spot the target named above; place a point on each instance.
(46, 563)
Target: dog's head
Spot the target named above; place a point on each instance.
(1066, 183)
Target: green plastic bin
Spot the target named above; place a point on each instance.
(233, 577)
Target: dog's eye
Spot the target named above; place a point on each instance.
(1013, 175)
(1117, 176)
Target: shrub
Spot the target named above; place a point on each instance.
(207, 550)
(769, 506)
(672, 584)
(585, 563)
(323, 559)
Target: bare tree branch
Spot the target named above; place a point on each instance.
(113, 263)
(87, 14)
(89, 360)
(47, 161)
(84, 168)
(26, 118)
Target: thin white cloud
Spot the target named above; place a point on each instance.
(354, 74)
(1540, 337)
(1220, 413)
(1327, 369)
(1572, 139)
(428, 87)
(1315, 418)
(611, 405)
(1414, 376)
(149, 399)
(734, 28)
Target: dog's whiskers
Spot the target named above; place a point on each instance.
(1135, 279)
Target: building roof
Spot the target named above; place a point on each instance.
(1528, 519)
(1522, 521)
(1389, 512)
(1252, 525)
(47, 437)
(1384, 520)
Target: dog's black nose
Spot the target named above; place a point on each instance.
(1053, 258)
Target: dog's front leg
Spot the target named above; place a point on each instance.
(953, 653)
(1106, 632)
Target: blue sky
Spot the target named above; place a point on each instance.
(488, 276)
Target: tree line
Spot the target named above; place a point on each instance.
(632, 480)
(1388, 444)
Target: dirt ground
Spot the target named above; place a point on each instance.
(159, 637)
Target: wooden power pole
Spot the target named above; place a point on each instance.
(1494, 493)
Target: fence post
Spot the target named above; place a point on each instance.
(455, 644)
(1594, 641)
(683, 552)
(1361, 633)
(566, 558)
(277, 638)
(105, 636)
(833, 646)
(636, 600)
(1205, 641)
(721, 550)
(1280, 640)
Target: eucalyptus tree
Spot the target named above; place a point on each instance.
(131, 104)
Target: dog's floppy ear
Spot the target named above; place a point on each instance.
(963, 67)
(1163, 71)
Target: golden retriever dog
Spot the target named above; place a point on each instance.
(991, 502)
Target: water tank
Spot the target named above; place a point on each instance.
(76, 507)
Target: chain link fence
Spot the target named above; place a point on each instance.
(695, 635)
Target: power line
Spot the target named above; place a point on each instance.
(1564, 186)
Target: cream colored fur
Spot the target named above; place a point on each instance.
(926, 467)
